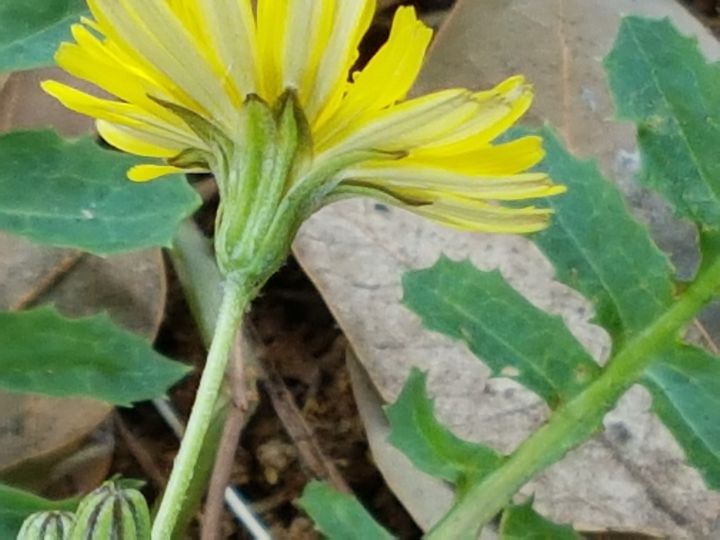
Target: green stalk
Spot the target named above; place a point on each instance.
(237, 296)
(201, 280)
(576, 421)
(199, 276)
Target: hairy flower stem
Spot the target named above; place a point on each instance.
(237, 295)
(577, 420)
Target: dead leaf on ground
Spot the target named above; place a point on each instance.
(46, 440)
(24, 105)
(632, 477)
(425, 498)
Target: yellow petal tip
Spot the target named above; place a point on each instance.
(147, 173)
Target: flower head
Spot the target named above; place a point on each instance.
(263, 91)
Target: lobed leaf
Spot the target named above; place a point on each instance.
(76, 194)
(42, 352)
(661, 81)
(432, 448)
(522, 522)
(16, 505)
(599, 249)
(513, 337)
(33, 29)
(339, 516)
(685, 386)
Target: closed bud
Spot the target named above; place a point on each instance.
(112, 512)
(47, 526)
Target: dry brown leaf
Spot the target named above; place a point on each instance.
(44, 440)
(24, 105)
(425, 498)
(634, 475)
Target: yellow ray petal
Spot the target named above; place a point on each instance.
(92, 106)
(122, 113)
(188, 14)
(92, 61)
(508, 158)
(309, 26)
(138, 141)
(477, 216)
(145, 173)
(351, 20)
(436, 183)
(500, 108)
(124, 57)
(152, 30)
(118, 71)
(455, 211)
(229, 25)
(408, 125)
(388, 76)
(271, 22)
(195, 22)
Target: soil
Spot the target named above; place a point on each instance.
(707, 11)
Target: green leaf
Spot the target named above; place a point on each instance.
(599, 249)
(661, 80)
(513, 337)
(76, 194)
(431, 447)
(43, 352)
(523, 523)
(339, 516)
(32, 30)
(16, 505)
(685, 385)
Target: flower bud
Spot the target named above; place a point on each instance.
(112, 512)
(47, 526)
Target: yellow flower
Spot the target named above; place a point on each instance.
(185, 72)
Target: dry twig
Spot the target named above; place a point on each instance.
(242, 378)
(48, 281)
(709, 341)
(311, 455)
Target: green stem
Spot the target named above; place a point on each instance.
(195, 266)
(576, 421)
(201, 281)
(237, 296)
